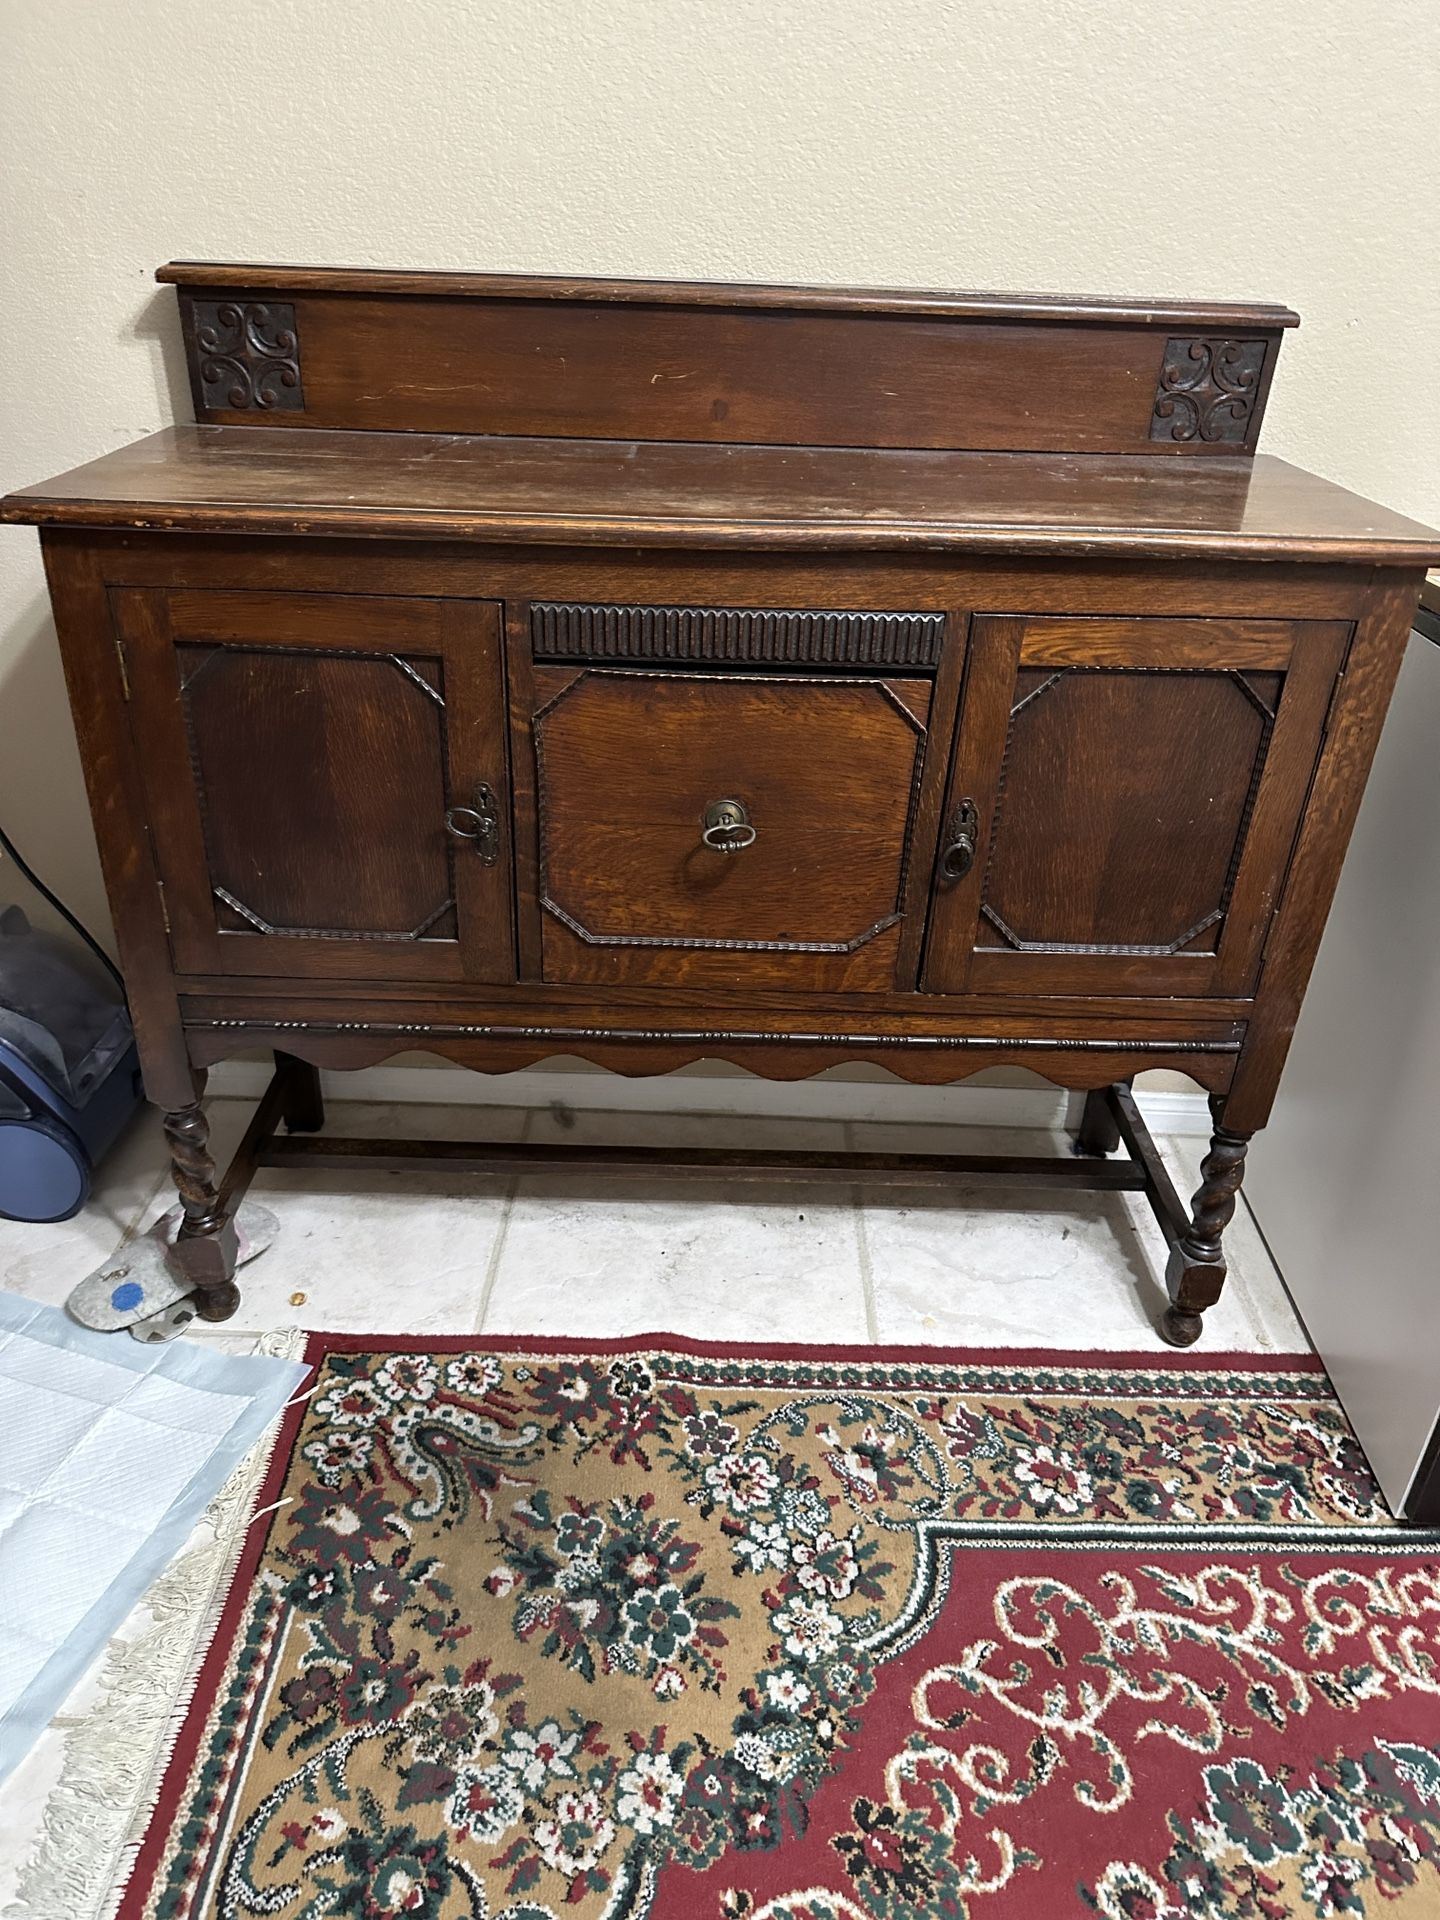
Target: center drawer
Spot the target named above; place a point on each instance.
(725, 828)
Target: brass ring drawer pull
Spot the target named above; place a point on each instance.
(727, 827)
(480, 825)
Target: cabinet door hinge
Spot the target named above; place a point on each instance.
(124, 666)
(164, 907)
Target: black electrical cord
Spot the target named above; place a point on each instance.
(60, 907)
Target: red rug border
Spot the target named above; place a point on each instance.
(1158, 1358)
(319, 1345)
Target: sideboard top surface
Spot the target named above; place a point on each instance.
(441, 486)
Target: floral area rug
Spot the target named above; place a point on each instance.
(690, 1632)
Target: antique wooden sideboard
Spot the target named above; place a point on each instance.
(504, 667)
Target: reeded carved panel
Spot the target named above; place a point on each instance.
(735, 636)
(1208, 390)
(245, 354)
(321, 782)
(1123, 808)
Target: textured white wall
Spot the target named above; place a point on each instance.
(1240, 149)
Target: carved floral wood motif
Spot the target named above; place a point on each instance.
(1208, 390)
(247, 354)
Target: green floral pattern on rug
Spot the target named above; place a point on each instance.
(1273, 1844)
(532, 1629)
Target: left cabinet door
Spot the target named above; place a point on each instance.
(325, 781)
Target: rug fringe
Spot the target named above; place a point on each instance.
(116, 1751)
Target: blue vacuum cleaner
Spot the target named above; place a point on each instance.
(69, 1072)
(69, 1082)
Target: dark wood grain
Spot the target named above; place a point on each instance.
(601, 633)
(259, 479)
(791, 1053)
(1248, 645)
(531, 1002)
(350, 1154)
(1125, 794)
(292, 655)
(1195, 1272)
(206, 1248)
(671, 373)
(1211, 389)
(1134, 816)
(96, 679)
(727, 365)
(627, 764)
(994, 579)
(864, 964)
(1098, 1133)
(300, 752)
(1128, 1123)
(928, 822)
(1371, 667)
(314, 770)
(303, 1102)
(727, 293)
(290, 1084)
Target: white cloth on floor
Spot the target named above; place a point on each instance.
(109, 1453)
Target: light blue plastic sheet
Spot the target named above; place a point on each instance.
(110, 1451)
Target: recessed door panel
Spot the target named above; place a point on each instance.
(305, 755)
(727, 828)
(1134, 787)
(350, 750)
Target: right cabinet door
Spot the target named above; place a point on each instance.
(1123, 801)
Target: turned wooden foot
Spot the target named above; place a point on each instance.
(1195, 1272)
(1180, 1329)
(1098, 1132)
(207, 1247)
(304, 1109)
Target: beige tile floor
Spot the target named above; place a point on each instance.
(551, 1253)
(574, 1254)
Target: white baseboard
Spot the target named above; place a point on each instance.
(820, 1099)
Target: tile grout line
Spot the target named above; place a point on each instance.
(862, 1246)
(492, 1265)
(497, 1249)
(132, 1228)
